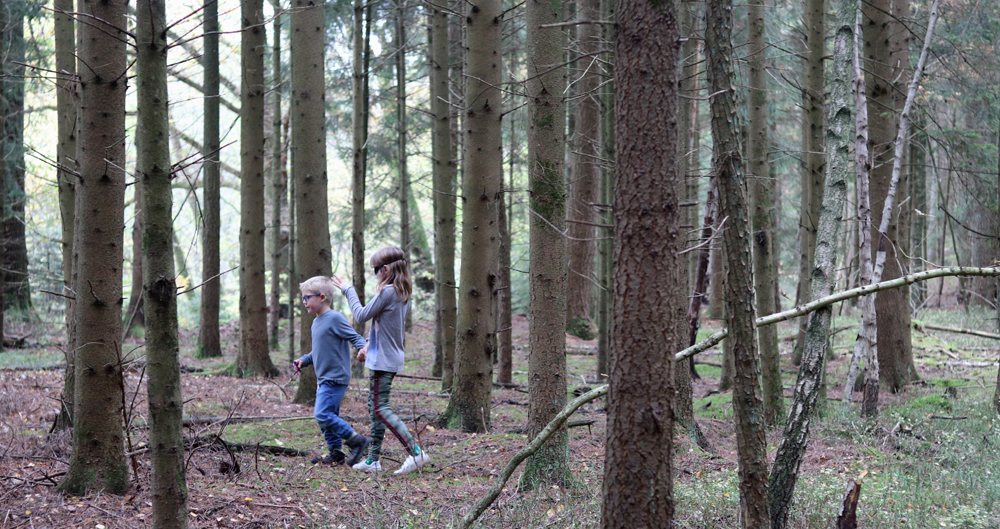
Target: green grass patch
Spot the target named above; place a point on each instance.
(717, 406)
(32, 358)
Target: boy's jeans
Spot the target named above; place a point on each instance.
(327, 412)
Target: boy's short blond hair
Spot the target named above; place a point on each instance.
(319, 285)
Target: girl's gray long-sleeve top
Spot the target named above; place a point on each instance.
(387, 334)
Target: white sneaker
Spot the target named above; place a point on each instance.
(368, 466)
(414, 463)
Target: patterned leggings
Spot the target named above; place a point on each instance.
(380, 384)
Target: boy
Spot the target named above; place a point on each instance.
(331, 356)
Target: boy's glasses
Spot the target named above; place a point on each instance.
(379, 269)
(305, 298)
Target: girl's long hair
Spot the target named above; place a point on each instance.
(394, 260)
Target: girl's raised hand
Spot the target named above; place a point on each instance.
(337, 282)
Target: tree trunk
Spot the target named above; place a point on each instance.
(649, 302)
(505, 335)
(748, 404)
(359, 122)
(405, 239)
(546, 84)
(17, 295)
(166, 435)
(469, 406)
(253, 358)
(98, 458)
(882, 34)
(605, 243)
(209, 341)
(813, 170)
(308, 143)
(444, 197)
(918, 222)
(839, 132)
(135, 311)
(584, 187)
(762, 196)
(717, 270)
(279, 180)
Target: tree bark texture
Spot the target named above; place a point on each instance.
(163, 387)
(209, 340)
(883, 78)
(839, 131)
(279, 181)
(583, 188)
(405, 239)
(98, 458)
(308, 144)
(547, 270)
(813, 169)
(359, 138)
(17, 294)
(476, 334)
(649, 303)
(748, 404)
(605, 244)
(444, 196)
(762, 203)
(253, 358)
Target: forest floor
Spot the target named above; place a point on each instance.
(928, 437)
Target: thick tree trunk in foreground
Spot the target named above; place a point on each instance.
(839, 132)
(444, 197)
(547, 269)
(469, 407)
(649, 303)
(308, 143)
(98, 459)
(253, 358)
(166, 436)
(748, 404)
(209, 341)
(762, 201)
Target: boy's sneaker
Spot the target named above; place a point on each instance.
(368, 466)
(412, 463)
(335, 457)
(359, 446)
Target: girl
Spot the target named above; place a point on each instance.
(383, 355)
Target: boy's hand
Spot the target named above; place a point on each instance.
(337, 282)
(363, 353)
(298, 365)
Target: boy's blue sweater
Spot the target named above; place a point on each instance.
(330, 353)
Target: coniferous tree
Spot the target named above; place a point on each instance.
(545, 86)
(209, 341)
(444, 197)
(308, 143)
(649, 303)
(166, 435)
(17, 287)
(359, 125)
(98, 458)
(279, 180)
(253, 358)
(469, 407)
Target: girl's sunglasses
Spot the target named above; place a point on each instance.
(379, 269)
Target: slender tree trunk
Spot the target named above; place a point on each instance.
(546, 83)
(605, 244)
(444, 196)
(505, 346)
(813, 170)
(918, 227)
(586, 152)
(293, 249)
(717, 269)
(405, 239)
(166, 435)
(761, 196)
(279, 179)
(359, 119)
(748, 404)
(649, 302)
(253, 358)
(469, 406)
(15, 259)
(98, 458)
(448, 224)
(308, 143)
(135, 311)
(209, 341)
(839, 132)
